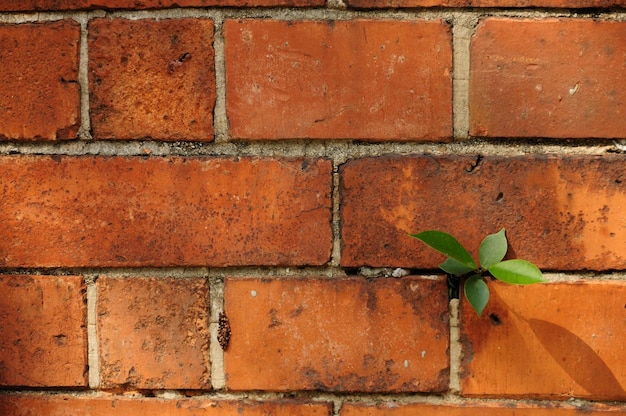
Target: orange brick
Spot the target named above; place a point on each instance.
(480, 409)
(42, 322)
(349, 334)
(62, 405)
(28, 5)
(39, 90)
(554, 340)
(562, 213)
(152, 79)
(132, 211)
(153, 333)
(485, 3)
(361, 79)
(548, 78)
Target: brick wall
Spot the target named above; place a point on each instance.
(165, 164)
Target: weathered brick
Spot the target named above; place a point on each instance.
(477, 409)
(153, 333)
(44, 5)
(361, 79)
(485, 3)
(152, 79)
(554, 340)
(348, 334)
(548, 78)
(63, 405)
(43, 327)
(39, 90)
(133, 211)
(559, 212)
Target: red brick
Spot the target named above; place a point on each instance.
(554, 340)
(28, 5)
(361, 79)
(39, 90)
(132, 211)
(43, 326)
(479, 409)
(559, 212)
(153, 333)
(548, 78)
(348, 334)
(484, 3)
(65, 405)
(152, 79)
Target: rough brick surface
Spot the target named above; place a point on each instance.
(152, 79)
(311, 179)
(360, 79)
(43, 340)
(132, 211)
(548, 78)
(153, 333)
(28, 5)
(39, 91)
(30, 405)
(552, 340)
(470, 409)
(346, 334)
(485, 3)
(559, 212)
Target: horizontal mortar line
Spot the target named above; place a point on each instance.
(283, 13)
(583, 275)
(182, 272)
(552, 276)
(228, 13)
(337, 150)
(312, 396)
(287, 272)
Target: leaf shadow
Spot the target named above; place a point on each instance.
(577, 359)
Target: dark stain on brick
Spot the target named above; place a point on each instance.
(223, 331)
(296, 312)
(60, 339)
(372, 298)
(494, 319)
(274, 320)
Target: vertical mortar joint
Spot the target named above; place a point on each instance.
(220, 121)
(455, 348)
(84, 132)
(463, 27)
(93, 358)
(216, 353)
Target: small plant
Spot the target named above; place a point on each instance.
(491, 252)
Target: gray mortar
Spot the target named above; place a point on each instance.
(84, 132)
(93, 357)
(455, 348)
(220, 121)
(462, 30)
(218, 377)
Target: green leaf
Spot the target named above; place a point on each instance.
(477, 293)
(492, 249)
(517, 272)
(448, 245)
(452, 266)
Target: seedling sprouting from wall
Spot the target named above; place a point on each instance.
(491, 254)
